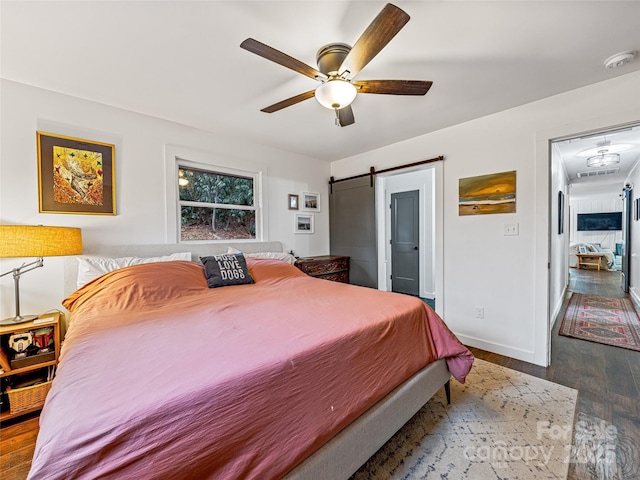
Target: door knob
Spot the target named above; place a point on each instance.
(415, 248)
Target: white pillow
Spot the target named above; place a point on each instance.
(92, 268)
(285, 257)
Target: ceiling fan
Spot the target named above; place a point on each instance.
(339, 63)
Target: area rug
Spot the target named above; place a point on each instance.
(607, 320)
(501, 424)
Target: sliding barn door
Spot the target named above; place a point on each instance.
(353, 228)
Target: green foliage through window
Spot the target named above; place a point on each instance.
(215, 206)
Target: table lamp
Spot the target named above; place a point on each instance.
(35, 241)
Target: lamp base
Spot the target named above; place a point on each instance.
(17, 320)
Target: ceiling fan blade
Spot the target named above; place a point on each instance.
(345, 116)
(283, 59)
(380, 32)
(288, 102)
(394, 87)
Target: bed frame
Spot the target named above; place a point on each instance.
(352, 447)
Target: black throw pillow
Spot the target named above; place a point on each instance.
(227, 269)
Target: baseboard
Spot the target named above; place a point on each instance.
(558, 307)
(634, 297)
(507, 351)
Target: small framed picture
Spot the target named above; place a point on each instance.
(310, 202)
(583, 249)
(560, 212)
(293, 202)
(303, 223)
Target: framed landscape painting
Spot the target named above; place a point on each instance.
(75, 175)
(485, 194)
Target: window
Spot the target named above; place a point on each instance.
(216, 205)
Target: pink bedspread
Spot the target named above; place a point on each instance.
(161, 377)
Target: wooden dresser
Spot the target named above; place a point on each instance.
(329, 267)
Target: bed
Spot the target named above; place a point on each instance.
(161, 376)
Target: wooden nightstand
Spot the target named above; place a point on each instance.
(30, 398)
(328, 267)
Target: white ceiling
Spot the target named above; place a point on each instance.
(574, 153)
(181, 61)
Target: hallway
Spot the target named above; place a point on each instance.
(608, 377)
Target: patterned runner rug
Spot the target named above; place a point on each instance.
(607, 320)
(501, 424)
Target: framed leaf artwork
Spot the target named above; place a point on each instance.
(75, 175)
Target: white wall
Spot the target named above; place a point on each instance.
(507, 275)
(140, 143)
(558, 242)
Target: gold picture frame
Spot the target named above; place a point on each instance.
(75, 175)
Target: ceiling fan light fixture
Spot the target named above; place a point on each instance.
(603, 159)
(336, 93)
(339, 64)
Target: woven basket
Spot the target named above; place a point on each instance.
(21, 399)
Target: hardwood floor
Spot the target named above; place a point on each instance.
(17, 442)
(607, 379)
(601, 373)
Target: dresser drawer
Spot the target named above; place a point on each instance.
(342, 277)
(329, 267)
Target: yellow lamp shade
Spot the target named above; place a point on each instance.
(39, 241)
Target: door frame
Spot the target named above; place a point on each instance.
(428, 177)
(545, 199)
(410, 284)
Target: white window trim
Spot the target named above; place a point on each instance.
(175, 156)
